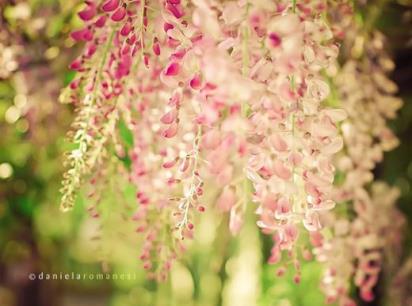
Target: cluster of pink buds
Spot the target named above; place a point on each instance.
(215, 96)
(359, 247)
(226, 98)
(367, 95)
(294, 136)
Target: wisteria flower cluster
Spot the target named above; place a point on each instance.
(230, 98)
(367, 95)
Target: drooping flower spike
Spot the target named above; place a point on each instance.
(225, 97)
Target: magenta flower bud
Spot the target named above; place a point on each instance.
(77, 35)
(127, 27)
(275, 40)
(156, 47)
(75, 84)
(195, 82)
(110, 5)
(100, 22)
(88, 35)
(131, 40)
(179, 54)
(88, 13)
(125, 50)
(175, 10)
(91, 49)
(76, 65)
(172, 69)
(173, 1)
(167, 26)
(146, 60)
(119, 14)
(80, 35)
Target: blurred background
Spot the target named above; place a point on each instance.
(35, 236)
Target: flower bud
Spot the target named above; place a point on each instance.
(110, 5)
(119, 14)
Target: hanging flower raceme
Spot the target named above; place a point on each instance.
(227, 96)
(367, 95)
(359, 247)
(293, 138)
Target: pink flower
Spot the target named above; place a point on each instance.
(173, 69)
(100, 22)
(156, 46)
(88, 13)
(125, 30)
(169, 117)
(110, 5)
(274, 39)
(170, 164)
(175, 9)
(119, 14)
(204, 113)
(195, 82)
(82, 35)
(171, 131)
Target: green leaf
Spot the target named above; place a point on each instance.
(68, 77)
(125, 134)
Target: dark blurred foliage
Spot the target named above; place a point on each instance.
(396, 23)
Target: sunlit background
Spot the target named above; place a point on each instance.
(35, 236)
